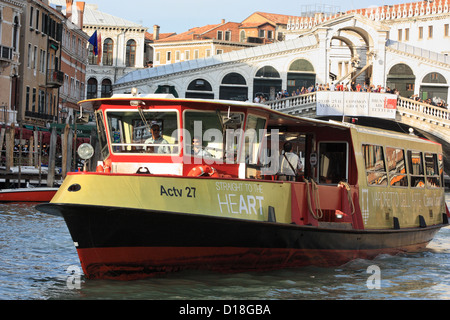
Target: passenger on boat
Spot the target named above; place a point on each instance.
(290, 164)
(157, 139)
(197, 149)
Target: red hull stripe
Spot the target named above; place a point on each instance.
(141, 262)
(27, 196)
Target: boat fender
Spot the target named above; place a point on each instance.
(205, 171)
(143, 170)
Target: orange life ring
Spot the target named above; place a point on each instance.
(202, 171)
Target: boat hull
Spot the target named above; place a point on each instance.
(27, 194)
(126, 244)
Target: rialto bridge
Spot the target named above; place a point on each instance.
(311, 57)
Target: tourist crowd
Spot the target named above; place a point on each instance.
(355, 87)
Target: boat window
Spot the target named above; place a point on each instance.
(396, 167)
(432, 170)
(415, 164)
(441, 168)
(101, 133)
(375, 166)
(253, 138)
(130, 131)
(218, 133)
(332, 162)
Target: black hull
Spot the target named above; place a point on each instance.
(128, 243)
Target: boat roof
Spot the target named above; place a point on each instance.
(276, 118)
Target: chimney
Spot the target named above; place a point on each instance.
(80, 8)
(69, 9)
(223, 21)
(155, 32)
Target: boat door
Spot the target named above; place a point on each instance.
(332, 162)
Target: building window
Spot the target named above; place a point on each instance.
(31, 17)
(37, 19)
(177, 55)
(27, 99)
(228, 35)
(269, 34)
(242, 36)
(33, 101)
(219, 51)
(92, 88)
(187, 55)
(29, 56)
(131, 53)
(219, 35)
(430, 32)
(208, 52)
(15, 33)
(407, 34)
(446, 31)
(420, 33)
(400, 34)
(262, 33)
(106, 88)
(157, 57)
(35, 57)
(108, 45)
(92, 59)
(196, 54)
(168, 56)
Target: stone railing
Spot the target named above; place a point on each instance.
(425, 111)
(296, 104)
(285, 104)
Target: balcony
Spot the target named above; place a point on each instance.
(55, 78)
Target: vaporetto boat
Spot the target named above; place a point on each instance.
(157, 205)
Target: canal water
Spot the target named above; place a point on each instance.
(38, 262)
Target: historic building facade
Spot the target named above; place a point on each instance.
(398, 47)
(73, 60)
(40, 64)
(122, 46)
(10, 26)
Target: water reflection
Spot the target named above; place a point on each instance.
(36, 251)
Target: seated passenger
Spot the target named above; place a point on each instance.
(157, 139)
(197, 149)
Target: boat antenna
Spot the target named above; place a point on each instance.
(141, 114)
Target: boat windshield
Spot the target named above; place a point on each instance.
(213, 135)
(143, 131)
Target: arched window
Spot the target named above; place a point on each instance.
(402, 78)
(201, 89)
(92, 88)
(131, 53)
(267, 82)
(108, 46)
(106, 88)
(301, 75)
(242, 36)
(434, 86)
(234, 87)
(267, 72)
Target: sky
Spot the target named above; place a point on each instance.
(181, 15)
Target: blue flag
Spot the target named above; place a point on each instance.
(94, 41)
